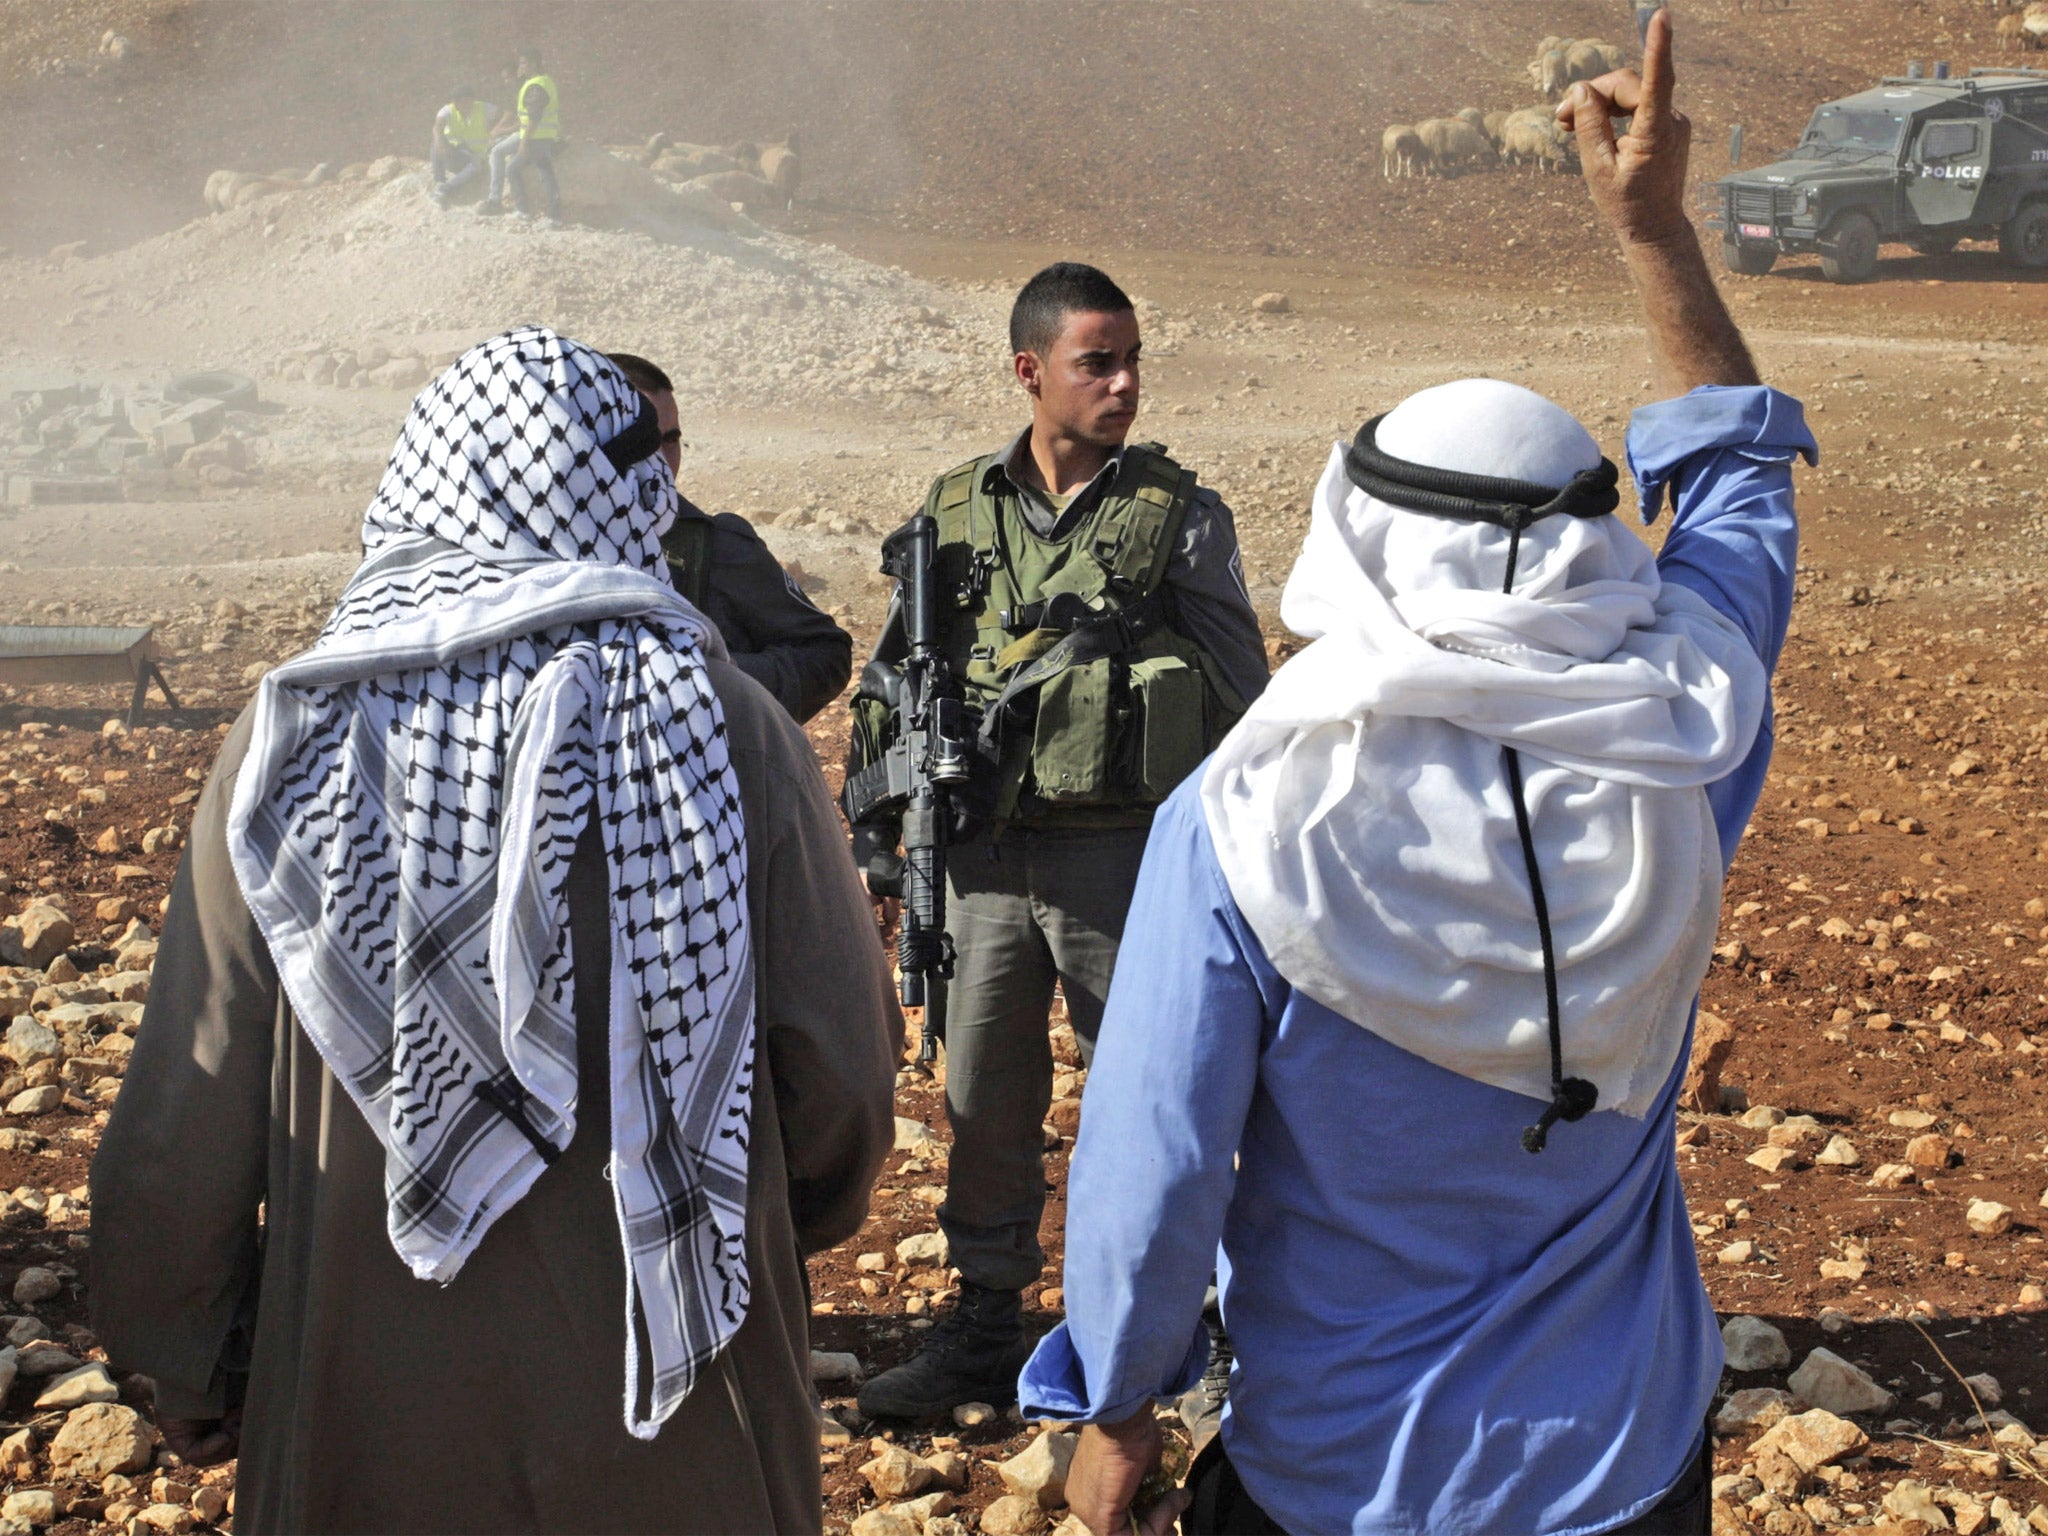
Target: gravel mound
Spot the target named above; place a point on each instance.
(374, 286)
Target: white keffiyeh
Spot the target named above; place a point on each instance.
(508, 662)
(1361, 810)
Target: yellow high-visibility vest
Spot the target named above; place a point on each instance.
(549, 125)
(468, 130)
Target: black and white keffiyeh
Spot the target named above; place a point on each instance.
(508, 660)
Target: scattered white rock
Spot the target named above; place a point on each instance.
(833, 1366)
(1754, 1345)
(74, 1389)
(1986, 1387)
(1909, 1500)
(1987, 1218)
(36, 1101)
(1812, 1439)
(101, 1439)
(1776, 1159)
(1014, 1514)
(1040, 1469)
(922, 1248)
(912, 1135)
(969, 1415)
(29, 1041)
(1828, 1381)
(45, 1358)
(895, 1473)
(34, 1506)
(1752, 1408)
(1840, 1152)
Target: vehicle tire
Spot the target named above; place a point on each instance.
(1848, 251)
(1936, 245)
(1749, 260)
(236, 391)
(2024, 240)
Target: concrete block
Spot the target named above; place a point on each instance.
(188, 425)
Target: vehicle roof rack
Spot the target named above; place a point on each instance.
(2030, 74)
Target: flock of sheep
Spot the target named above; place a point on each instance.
(754, 175)
(1528, 136)
(2024, 29)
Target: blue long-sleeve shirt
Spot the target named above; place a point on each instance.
(1435, 1331)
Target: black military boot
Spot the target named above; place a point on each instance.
(972, 1355)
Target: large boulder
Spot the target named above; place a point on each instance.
(100, 1440)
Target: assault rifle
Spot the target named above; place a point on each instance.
(927, 759)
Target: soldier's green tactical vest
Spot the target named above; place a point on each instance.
(687, 548)
(1097, 732)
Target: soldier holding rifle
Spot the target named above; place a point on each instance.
(1070, 636)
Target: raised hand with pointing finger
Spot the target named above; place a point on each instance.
(1637, 180)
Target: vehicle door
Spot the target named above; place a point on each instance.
(1945, 170)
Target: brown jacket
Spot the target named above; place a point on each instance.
(377, 1402)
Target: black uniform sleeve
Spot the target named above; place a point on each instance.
(1206, 572)
(776, 635)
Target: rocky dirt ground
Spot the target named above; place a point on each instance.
(1864, 1152)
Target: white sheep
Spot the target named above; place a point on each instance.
(1449, 142)
(1401, 152)
(1590, 58)
(1532, 137)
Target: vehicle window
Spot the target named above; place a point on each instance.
(1838, 130)
(1947, 141)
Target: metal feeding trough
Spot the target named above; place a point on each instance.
(77, 653)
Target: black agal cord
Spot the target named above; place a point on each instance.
(1513, 505)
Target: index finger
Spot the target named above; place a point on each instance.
(1659, 77)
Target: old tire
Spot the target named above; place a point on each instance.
(1936, 245)
(1848, 251)
(236, 391)
(1749, 260)
(2024, 240)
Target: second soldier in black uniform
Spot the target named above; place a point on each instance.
(775, 634)
(1066, 528)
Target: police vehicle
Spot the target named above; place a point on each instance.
(1925, 161)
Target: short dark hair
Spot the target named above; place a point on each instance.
(1062, 289)
(645, 377)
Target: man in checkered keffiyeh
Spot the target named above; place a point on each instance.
(509, 663)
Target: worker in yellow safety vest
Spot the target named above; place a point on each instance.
(461, 142)
(531, 146)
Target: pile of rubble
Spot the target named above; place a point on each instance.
(365, 365)
(97, 443)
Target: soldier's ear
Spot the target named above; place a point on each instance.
(1030, 372)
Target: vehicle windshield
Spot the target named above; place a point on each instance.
(1853, 134)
